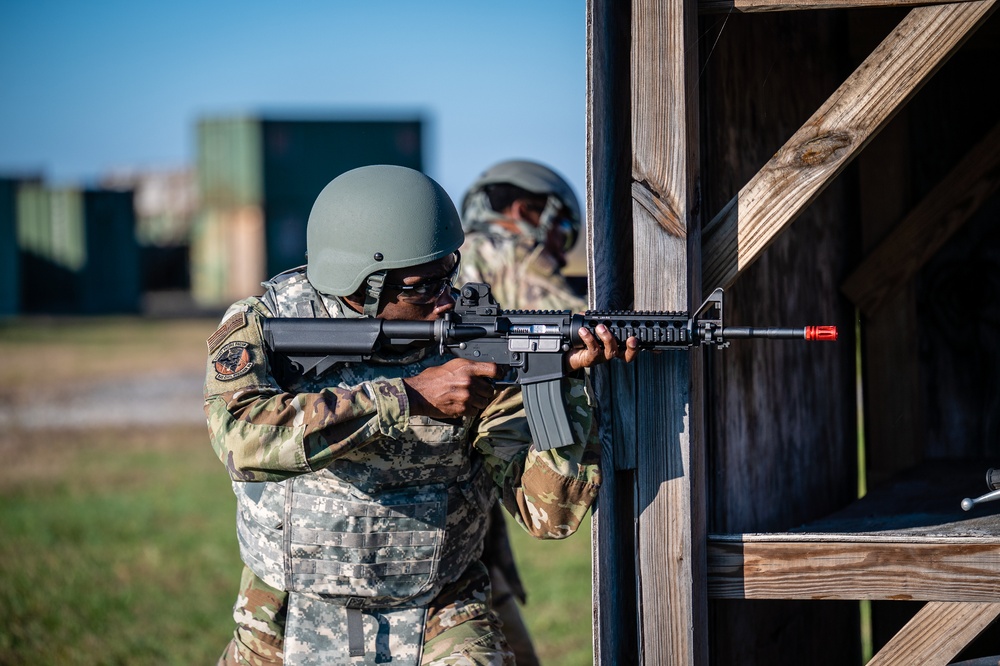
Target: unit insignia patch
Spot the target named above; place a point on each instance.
(233, 361)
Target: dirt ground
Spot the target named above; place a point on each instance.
(66, 373)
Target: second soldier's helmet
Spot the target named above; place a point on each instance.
(373, 219)
(562, 206)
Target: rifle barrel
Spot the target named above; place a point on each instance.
(818, 333)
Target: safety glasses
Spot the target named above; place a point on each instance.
(428, 291)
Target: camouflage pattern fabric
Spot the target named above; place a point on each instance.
(262, 432)
(357, 427)
(478, 216)
(514, 629)
(548, 493)
(522, 275)
(260, 625)
(476, 642)
(460, 627)
(318, 633)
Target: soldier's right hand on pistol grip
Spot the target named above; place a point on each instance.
(456, 388)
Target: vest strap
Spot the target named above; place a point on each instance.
(355, 632)
(373, 294)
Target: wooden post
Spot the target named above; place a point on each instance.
(672, 597)
(649, 527)
(609, 236)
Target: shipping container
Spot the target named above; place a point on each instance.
(276, 167)
(229, 162)
(302, 157)
(110, 275)
(77, 251)
(51, 249)
(10, 297)
(227, 255)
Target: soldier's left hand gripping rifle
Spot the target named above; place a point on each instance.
(530, 342)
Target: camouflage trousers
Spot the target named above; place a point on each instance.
(514, 629)
(457, 634)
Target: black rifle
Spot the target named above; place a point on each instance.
(530, 342)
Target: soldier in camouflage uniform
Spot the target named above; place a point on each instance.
(520, 219)
(363, 491)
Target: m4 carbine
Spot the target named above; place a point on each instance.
(530, 342)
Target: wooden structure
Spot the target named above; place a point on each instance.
(728, 530)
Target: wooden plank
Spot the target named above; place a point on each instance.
(751, 6)
(838, 130)
(609, 156)
(906, 540)
(822, 567)
(672, 601)
(936, 634)
(928, 226)
(609, 257)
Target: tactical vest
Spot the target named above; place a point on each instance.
(363, 546)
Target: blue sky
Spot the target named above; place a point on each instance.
(87, 87)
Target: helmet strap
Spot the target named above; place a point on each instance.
(548, 217)
(373, 292)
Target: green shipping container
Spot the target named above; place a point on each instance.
(77, 251)
(229, 162)
(10, 267)
(301, 157)
(50, 238)
(279, 166)
(111, 277)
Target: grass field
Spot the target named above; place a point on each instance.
(119, 544)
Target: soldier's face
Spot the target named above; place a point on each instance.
(420, 292)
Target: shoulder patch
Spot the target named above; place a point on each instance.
(233, 361)
(234, 323)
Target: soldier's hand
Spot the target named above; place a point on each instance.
(600, 349)
(456, 388)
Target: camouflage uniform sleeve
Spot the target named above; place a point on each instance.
(547, 492)
(520, 275)
(264, 433)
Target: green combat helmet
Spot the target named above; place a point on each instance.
(562, 206)
(373, 219)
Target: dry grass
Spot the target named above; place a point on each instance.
(44, 355)
(38, 460)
